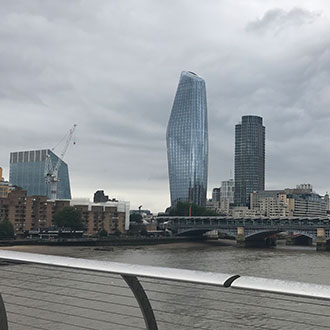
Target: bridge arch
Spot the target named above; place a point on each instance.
(261, 234)
(193, 232)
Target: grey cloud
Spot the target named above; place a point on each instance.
(277, 20)
(113, 67)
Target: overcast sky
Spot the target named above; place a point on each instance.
(112, 67)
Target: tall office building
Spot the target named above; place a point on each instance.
(249, 159)
(187, 141)
(27, 170)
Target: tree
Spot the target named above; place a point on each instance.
(6, 230)
(68, 217)
(103, 233)
(143, 232)
(182, 209)
(135, 217)
(117, 232)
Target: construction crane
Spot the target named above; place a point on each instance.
(51, 173)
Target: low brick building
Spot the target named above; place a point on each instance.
(36, 212)
(111, 216)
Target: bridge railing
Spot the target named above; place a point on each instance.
(51, 292)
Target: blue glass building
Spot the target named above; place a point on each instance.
(187, 141)
(27, 170)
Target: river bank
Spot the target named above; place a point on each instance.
(113, 241)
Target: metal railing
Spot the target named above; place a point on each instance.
(51, 292)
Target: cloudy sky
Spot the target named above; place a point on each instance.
(112, 67)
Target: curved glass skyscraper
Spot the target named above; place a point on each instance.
(187, 141)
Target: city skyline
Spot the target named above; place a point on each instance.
(112, 68)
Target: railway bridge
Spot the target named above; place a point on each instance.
(251, 232)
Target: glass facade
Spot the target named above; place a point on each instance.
(187, 141)
(249, 159)
(27, 170)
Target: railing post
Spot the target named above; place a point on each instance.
(143, 301)
(3, 315)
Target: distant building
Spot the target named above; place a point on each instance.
(249, 159)
(99, 197)
(223, 197)
(243, 212)
(187, 142)
(111, 215)
(4, 186)
(216, 194)
(27, 170)
(37, 212)
(299, 202)
(145, 212)
(227, 196)
(327, 202)
(26, 212)
(227, 190)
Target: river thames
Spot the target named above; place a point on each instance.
(288, 263)
(293, 263)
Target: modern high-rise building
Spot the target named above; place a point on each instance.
(27, 170)
(187, 141)
(249, 159)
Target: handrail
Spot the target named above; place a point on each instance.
(192, 276)
(302, 289)
(236, 281)
(129, 272)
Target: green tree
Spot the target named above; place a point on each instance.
(68, 217)
(182, 209)
(117, 232)
(143, 232)
(103, 233)
(6, 230)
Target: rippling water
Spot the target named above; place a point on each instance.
(235, 311)
(290, 263)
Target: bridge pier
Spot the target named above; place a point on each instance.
(240, 237)
(321, 240)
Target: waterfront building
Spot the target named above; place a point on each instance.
(249, 159)
(26, 212)
(37, 212)
(27, 170)
(187, 141)
(298, 202)
(243, 212)
(111, 215)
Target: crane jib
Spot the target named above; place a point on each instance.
(51, 173)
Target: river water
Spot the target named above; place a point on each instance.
(288, 263)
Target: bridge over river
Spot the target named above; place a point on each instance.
(250, 232)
